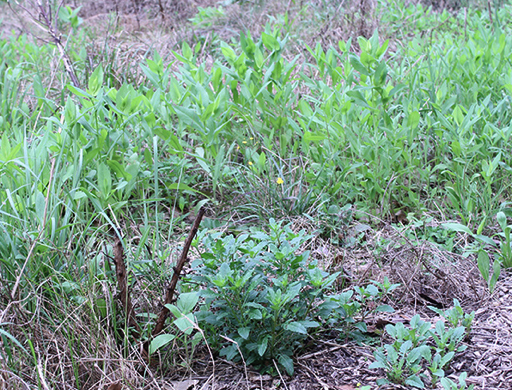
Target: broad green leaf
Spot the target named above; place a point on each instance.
(147, 157)
(377, 364)
(186, 51)
(262, 159)
(70, 111)
(496, 267)
(78, 92)
(40, 203)
(446, 358)
(457, 227)
(229, 53)
(104, 180)
(77, 195)
(244, 332)
(384, 308)
(175, 145)
(270, 42)
(483, 264)
(287, 363)
(380, 74)
(357, 65)
(187, 302)
(309, 324)
(95, 81)
(183, 187)
(262, 347)
(413, 120)
(415, 381)
(255, 314)
(296, 327)
(502, 220)
(185, 323)
(119, 170)
(359, 98)
(162, 133)
(160, 341)
(5, 147)
(173, 309)
(313, 137)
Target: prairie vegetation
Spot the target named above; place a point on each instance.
(347, 163)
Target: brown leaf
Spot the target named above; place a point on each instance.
(115, 386)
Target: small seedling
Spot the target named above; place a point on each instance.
(448, 384)
(455, 316)
(412, 349)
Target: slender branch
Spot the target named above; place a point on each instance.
(176, 275)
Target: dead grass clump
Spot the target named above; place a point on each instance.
(427, 274)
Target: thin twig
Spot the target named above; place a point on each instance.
(47, 25)
(324, 385)
(280, 376)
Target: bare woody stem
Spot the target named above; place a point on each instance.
(124, 292)
(164, 313)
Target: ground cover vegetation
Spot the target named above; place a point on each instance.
(352, 160)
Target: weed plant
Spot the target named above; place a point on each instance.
(420, 348)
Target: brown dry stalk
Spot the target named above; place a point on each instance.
(124, 292)
(177, 271)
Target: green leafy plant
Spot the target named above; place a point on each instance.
(402, 364)
(448, 339)
(423, 128)
(354, 305)
(260, 296)
(184, 321)
(411, 351)
(483, 259)
(436, 365)
(455, 316)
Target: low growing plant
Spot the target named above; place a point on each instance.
(184, 321)
(448, 384)
(402, 359)
(260, 296)
(351, 307)
(455, 316)
(419, 347)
